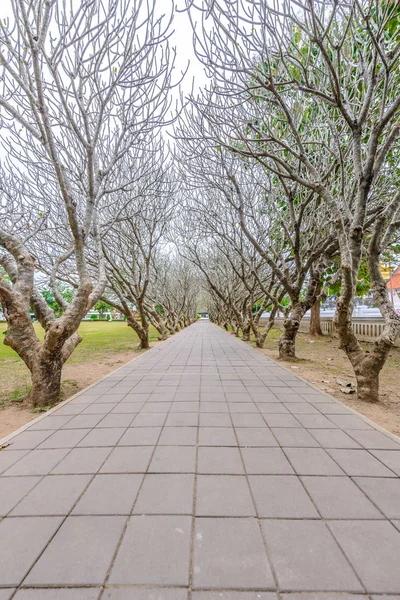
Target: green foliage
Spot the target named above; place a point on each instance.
(94, 317)
(66, 292)
(102, 307)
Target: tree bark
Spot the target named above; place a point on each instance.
(46, 381)
(315, 319)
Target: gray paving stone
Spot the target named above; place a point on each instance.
(173, 459)
(58, 594)
(5, 594)
(127, 408)
(249, 420)
(140, 436)
(51, 422)
(98, 438)
(155, 407)
(334, 438)
(115, 420)
(230, 553)
(223, 496)
(16, 555)
(178, 436)
(215, 420)
(134, 459)
(294, 437)
(306, 557)
(373, 548)
(7, 459)
(255, 436)
(12, 490)
(390, 458)
(315, 422)
(81, 461)
(349, 422)
(154, 551)
(322, 596)
(80, 553)
(281, 496)
(272, 408)
(242, 407)
(374, 440)
(214, 407)
(145, 594)
(182, 420)
(64, 438)
(225, 461)
(339, 498)
(149, 420)
(217, 436)
(266, 461)
(83, 422)
(37, 462)
(234, 596)
(109, 495)
(385, 493)
(99, 409)
(301, 408)
(27, 440)
(163, 494)
(54, 495)
(312, 461)
(333, 408)
(282, 421)
(360, 462)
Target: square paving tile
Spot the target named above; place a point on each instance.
(102, 437)
(312, 461)
(54, 495)
(374, 440)
(178, 436)
(16, 555)
(173, 459)
(27, 440)
(215, 420)
(115, 420)
(140, 436)
(248, 420)
(373, 548)
(155, 550)
(390, 458)
(301, 408)
(51, 422)
(80, 553)
(255, 436)
(384, 493)
(182, 420)
(334, 438)
(81, 460)
(145, 594)
(7, 459)
(294, 437)
(242, 407)
(217, 436)
(230, 553)
(349, 422)
(214, 407)
(109, 495)
(83, 422)
(99, 409)
(184, 407)
(64, 438)
(306, 557)
(223, 496)
(155, 407)
(266, 461)
(163, 494)
(134, 459)
(323, 596)
(58, 594)
(225, 461)
(37, 462)
(227, 595)
(272, 408)
(149, 420)
(360, 462)
(13, 489)
(282, 421)
(339, 498)
(281, 496)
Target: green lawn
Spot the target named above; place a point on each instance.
(101, 340)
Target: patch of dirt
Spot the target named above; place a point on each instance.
(321, 362)
(75, 378)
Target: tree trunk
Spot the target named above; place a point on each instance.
(246, 328)
(315, 319)
(367, 382)
(46, 381)
(291, 324)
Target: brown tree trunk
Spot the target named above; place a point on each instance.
(46, 381)
(246, 328)
(291, 324)
(315, 319)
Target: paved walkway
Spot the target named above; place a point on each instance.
(200, 471)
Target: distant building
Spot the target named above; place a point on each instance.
(393, 283)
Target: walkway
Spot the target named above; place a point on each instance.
(200, 471)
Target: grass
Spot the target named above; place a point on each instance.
(101, 339)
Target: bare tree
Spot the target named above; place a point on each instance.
(81, 86)
(311, 91)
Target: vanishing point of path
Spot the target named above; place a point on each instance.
(200, 471)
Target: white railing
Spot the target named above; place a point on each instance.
(367, 330)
